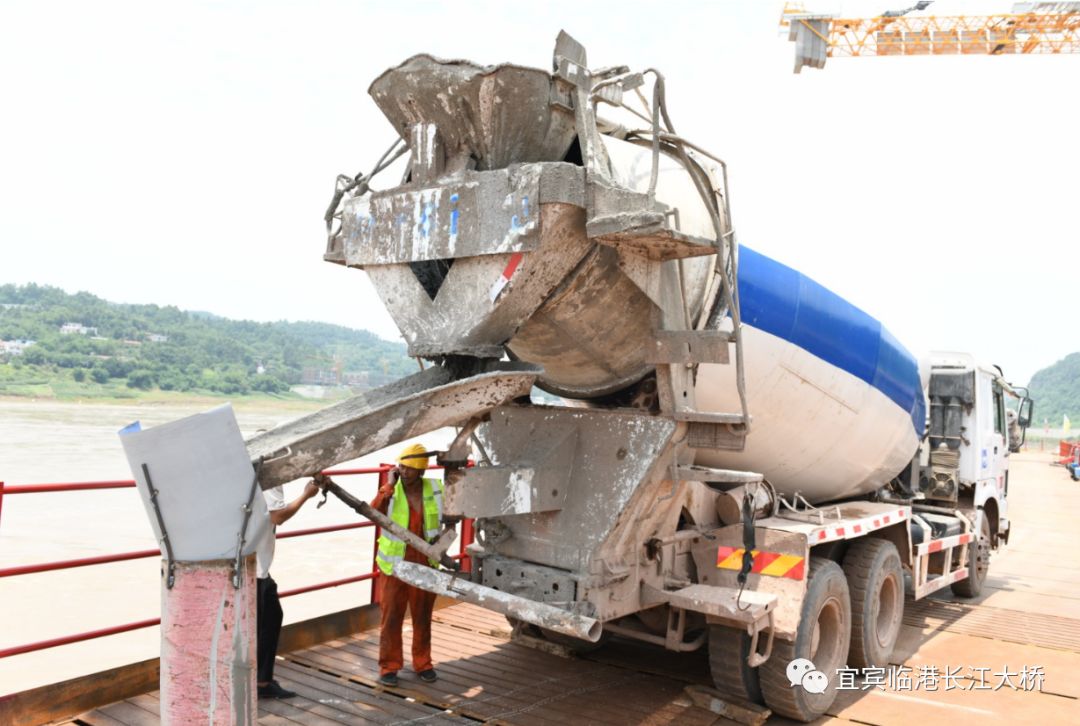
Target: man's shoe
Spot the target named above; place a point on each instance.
(388, 679)
(428, 676)
(273, 689)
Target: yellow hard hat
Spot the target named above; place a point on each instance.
(414, 456)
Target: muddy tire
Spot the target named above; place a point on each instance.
(728, 649)
(876, 583)
(823, 637)
(980, 565)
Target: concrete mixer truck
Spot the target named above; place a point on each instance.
(743, 461)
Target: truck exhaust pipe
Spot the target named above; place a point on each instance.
(540, 614)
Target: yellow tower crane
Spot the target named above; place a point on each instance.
(1032, 27)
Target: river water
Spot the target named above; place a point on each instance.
(47, 442)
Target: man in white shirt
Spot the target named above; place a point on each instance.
(269, 613)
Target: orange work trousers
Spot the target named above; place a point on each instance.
(394, 597)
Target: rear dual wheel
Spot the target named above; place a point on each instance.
(728, 651)
(876, 581)
(823, 637)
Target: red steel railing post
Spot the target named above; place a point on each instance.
(466, 540)
(1, 497)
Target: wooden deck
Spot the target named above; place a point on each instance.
(1028, 615)
(482, 677)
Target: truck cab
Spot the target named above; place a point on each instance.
(964, 461)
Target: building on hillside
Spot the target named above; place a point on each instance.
(319, 377)
(157, 338)
(334, 377)
(14, 347)
(356, 380)
(77, 328)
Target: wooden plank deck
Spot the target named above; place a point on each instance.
(1028, 615)
(482, 677)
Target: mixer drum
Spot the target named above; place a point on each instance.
(500, 243)
(592, 334)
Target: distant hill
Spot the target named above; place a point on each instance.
(83, 341)
(1056, 391)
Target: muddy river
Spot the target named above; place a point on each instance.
(47, 442)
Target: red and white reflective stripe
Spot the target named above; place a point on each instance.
(937, 545)
(858, 527)
(504, 278)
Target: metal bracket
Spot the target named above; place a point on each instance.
(246, 509)
(171, 578)
(810, 514)
(755, 659)
(676, 627)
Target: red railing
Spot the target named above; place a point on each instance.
(6, 490)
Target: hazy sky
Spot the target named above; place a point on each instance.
(183, 154)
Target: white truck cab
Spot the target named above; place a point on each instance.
(965, 458)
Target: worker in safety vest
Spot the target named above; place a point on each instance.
(414, 502)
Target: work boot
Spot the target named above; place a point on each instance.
(388, 679)
(428, 676)
(273, 689)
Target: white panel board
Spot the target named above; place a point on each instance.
(202, 471)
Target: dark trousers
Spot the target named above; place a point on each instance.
(268, 626)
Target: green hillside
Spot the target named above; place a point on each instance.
(86, 346)
(1056, 391)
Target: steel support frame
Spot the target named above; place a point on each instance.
(924, 581)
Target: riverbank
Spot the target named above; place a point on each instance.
(115, 393)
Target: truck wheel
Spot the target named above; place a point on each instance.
(979, 554)
(728, 650)
(876, 582)
(823, 637)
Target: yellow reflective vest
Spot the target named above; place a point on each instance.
(391, 549)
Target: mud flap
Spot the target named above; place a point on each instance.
(412, 406)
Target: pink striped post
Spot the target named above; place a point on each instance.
(208, 644)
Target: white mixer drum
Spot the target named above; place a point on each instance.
(837, 403)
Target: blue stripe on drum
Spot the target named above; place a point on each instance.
(784, 302)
